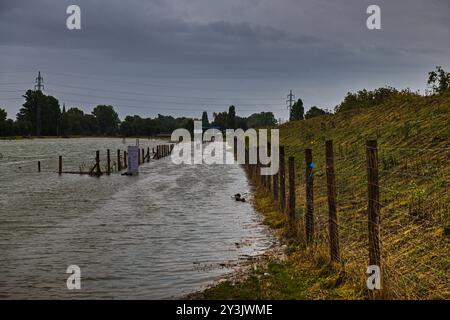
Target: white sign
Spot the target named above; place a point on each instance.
(133, 160)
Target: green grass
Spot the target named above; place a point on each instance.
(414, 166)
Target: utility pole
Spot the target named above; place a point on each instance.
(38, 88)
(290, 100)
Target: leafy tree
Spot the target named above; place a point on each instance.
(297, 111)
(220, 119)
(3, 115)
(7, 127)
(50, 113)
(90, 125)
(205, 121)
(241, 123)
(315, 112)
(231, 118)
(438, 80)
(108, 119)
(366, 99)
(262, 119)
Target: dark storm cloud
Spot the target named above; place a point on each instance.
(265, 46)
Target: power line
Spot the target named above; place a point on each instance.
(8, 91)
(156, 95)
(156, 101)
(13, 83)
(169, 86)
(153, 108)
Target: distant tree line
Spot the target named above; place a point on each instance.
(104, 120)
(229, 120)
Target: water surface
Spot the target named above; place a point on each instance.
(171, 230)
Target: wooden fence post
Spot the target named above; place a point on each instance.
(97, 163)
(108, 162)
(282, 180)
(235, 147)
(257, 165)
(268, 177)
(125, 159)
(291, 212)
(309, 187)
(331, 191)
(39, 166)
(275, 187)
(148, 154)
(60, 165)
(119, 164)
(373, 203)
(142, 155)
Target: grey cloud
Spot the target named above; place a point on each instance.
(264, 45)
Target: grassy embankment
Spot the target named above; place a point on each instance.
(414, 163)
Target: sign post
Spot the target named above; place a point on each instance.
(133, 160)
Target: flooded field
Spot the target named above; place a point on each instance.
(171, 230)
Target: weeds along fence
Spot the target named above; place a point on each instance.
(104, 164)
(357, 206)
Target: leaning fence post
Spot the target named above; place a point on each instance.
(282, 181)
(60, 165)
(291, 211)
(108, 162)
(309, 187)
(148, 154)
(331, 191)
(373, 203)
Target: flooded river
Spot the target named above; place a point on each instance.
(172, 230)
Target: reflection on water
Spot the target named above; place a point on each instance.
(166, 232)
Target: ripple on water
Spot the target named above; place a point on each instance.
(169, 231)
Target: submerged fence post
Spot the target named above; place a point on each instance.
(125, 160)
(331, 192)
(108, 162)
(97, 163)
(373, 203)
(119, 164)
(282, 180)
(148, 154)
(309, 187)
(291, 211)
(39, 166)
(60, 165)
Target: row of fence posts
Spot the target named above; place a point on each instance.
(161, 152)
(277, 189)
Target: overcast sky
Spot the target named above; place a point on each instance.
(180, 57)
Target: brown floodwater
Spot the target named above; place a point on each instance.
(172, 230)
